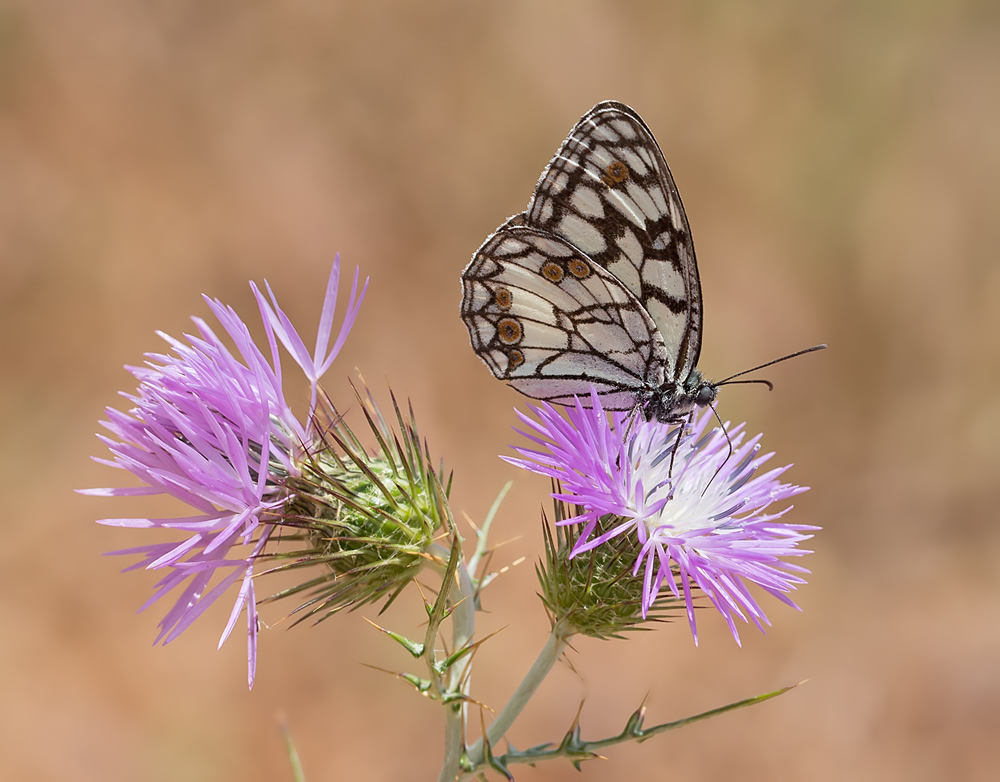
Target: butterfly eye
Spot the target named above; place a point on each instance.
(552, 272)
(509, 331)
(705, 396)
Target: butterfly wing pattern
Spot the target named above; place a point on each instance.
(609, 192)
(551, 322)
(596, 282)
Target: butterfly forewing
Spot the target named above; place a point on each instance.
(552, 323)
(609, 193)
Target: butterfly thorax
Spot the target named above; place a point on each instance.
(672, 402)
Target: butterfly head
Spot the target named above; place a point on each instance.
(705, 393)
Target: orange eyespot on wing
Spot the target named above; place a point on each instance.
(509, 331)
(503, 298)
(615, 173)
(552, 271)
(578, 268)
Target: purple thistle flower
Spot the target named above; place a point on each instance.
(701, 517)
(212, 428)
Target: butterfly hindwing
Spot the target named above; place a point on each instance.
(609, 193)
(551, 322)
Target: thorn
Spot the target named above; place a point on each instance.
(475, 646)
(482, 727)
(513, 564)
(579, 711)
(427, 605)
(633, 726)
(509, 540)
(429, 556)
(484, 564)
(394, 674)
(470, 700)
(456, 605)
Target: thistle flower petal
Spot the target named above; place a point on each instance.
(695, 505)
(278, 324)
(212, 429)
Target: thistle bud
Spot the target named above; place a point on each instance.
(595, 593)
(367, 518)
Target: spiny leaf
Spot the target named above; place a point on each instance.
(422, 686)
(414, 648)
(576, 750)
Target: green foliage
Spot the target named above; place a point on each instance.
(575, 749)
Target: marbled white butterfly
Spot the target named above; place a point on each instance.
(595, 283)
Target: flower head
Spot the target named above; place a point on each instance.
(370, 519)
(211, 427)
(598, 593)
(699, 510)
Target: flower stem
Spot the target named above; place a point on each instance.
(452, 744)
(463, 627)
(293, 754)
(551, 652)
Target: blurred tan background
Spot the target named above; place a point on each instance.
(840, 165)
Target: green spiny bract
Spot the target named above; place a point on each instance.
(366, 518)
(595, 593)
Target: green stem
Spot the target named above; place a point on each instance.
(463, 628)
(576, 750)
(293, 754)
(452, 743)
(483, 533)
(547, 658)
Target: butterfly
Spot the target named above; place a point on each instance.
(595, 285)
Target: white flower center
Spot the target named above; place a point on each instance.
(700, 491)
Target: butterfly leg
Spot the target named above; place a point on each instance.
(729, 443)
(683, 423)
(632, 417)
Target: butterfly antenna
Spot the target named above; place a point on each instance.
(768, 383)
(632, 418)
(729, 379)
